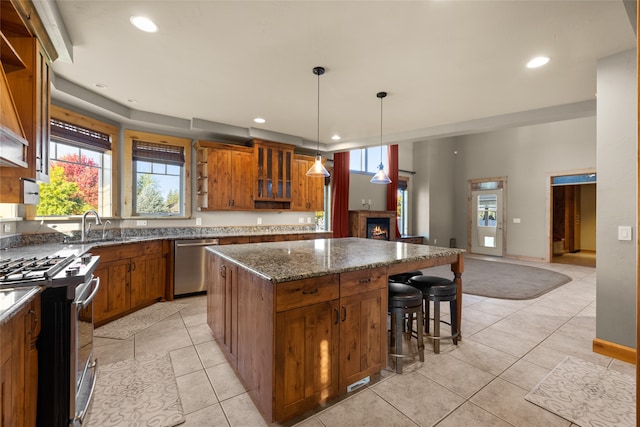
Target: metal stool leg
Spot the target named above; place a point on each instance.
(436, 326)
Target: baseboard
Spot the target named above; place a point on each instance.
(524, 258)
(617, 351)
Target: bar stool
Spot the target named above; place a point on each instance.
(437, 289)
(405, 305)
(404, 277)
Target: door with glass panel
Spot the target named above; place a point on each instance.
(487, 222)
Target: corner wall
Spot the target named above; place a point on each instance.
(616, 196)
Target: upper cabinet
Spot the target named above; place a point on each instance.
(26, 88)
(224, 177)
(308, 192)
(273, 174)
(265, 175)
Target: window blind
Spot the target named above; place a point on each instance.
(164, 153)
(79, 136)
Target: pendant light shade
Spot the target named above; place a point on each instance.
(318, 169)
(381, 176)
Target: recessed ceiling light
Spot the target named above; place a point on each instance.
(259, 120)
(538, 61)
(336, 137)
(100, 85)
(143, 23)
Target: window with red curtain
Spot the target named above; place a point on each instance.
(392, 188)
(340, 201)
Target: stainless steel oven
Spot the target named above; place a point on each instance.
(83, 366)
(66, 371)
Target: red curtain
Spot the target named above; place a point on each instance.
(392, 188)
(340, 199)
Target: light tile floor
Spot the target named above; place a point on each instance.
(508, 347)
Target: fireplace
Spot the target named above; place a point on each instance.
(378, 228)
(380, 225)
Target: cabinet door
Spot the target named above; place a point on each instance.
(300, 197)
(138, 281)
(273, 172)
(31, 362)
(242, 180)
(306, 358)
(362, 332)
(113, 296)
(308, 192)
(42, 101)
(7, 413)
(219, 171)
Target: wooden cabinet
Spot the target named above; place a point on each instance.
(19, 366)
(273, 174)
(363, 324)
(306, 357)
(26, 79)
(308, 192)
(224, 177)
(298, 344)
(132, 276)
(222, 301)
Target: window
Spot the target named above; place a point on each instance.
(81, 177)
(366, 160)
(157, 176)
(403, 207)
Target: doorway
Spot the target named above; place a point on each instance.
(573, 219)
(486, 214)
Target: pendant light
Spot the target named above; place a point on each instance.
(381, 177)
(318, 170)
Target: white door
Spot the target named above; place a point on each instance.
(486, 216)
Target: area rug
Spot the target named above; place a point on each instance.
(133, 323)
(587, 394)
(496, 279)
(136, 392)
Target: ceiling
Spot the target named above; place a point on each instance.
(449, 67)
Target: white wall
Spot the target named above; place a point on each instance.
(616, 193)
(526, 155)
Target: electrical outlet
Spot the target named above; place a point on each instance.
(6, 228)
(141, 222)
(301, 220)
(198, 221)
(435, 241)
(259, 220)
(308, 220)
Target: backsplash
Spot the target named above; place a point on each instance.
(18, 240)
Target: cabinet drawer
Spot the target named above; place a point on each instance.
(305, 292)
(127, 250)
(359, 281)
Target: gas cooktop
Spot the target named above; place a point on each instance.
(32, 271)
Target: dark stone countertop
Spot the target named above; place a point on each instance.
(295, 260)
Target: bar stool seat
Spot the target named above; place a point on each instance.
(404, 277)
(405, 307)
(436, 289)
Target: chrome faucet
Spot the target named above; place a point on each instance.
(85, 230)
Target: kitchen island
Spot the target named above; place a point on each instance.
(303, 321)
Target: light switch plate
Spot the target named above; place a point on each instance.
(141, 222)
(624, 232)
(198, 221)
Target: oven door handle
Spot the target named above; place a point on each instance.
(87, 301)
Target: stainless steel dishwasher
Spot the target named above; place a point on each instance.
(189, 269)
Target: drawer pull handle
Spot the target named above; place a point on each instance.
(367, 280)
(310, 292)
(344, 313)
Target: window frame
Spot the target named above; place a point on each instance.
(365, 160)
(129, 189)
(78, 119)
